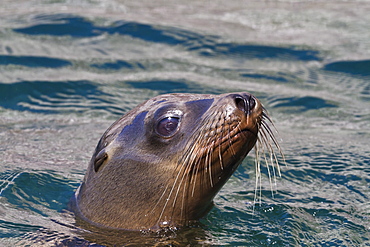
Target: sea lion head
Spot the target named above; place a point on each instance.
(162, 163)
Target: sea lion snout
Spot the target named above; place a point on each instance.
(242, 104)
(245, 102)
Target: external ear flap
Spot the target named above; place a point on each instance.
(99, 159)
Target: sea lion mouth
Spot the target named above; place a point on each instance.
(227, 135)
(228, 141)
(235, 137)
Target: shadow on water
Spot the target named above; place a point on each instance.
(361, 68)
(204, 45)
(117, 65)
(61, 24)
(271, 76)
(33, 61)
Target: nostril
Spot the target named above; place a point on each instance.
(251, 102)
(246, 103)
(240, 103)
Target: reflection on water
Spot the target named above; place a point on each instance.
(64, 78)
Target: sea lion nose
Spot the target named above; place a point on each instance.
(245, 102)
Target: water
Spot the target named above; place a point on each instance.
(68, 70)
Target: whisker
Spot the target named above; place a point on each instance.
(265, 152)
(193, 162)
(230, 143)
(195, 171)
(219, 149)
(258, 174)
(179, 186)
(210, 166)
(170, 193)
(266, 126)
(160, 198)
(183, 198)
(220, 156)
(270, 150)
(206, 163)
(271, 135)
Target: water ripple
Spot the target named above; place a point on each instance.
(7, 179)
(35, 191)
(302, 104)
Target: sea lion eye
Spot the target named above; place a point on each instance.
(167, 127)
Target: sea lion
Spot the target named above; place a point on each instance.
(162, 163)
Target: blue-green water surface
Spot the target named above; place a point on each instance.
(68, 70)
